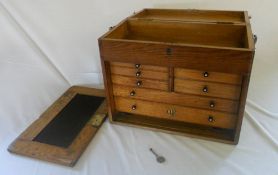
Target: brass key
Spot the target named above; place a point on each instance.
(159, 159)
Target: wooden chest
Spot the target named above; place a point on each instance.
(181, 71)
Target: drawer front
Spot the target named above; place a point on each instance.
(140, 83)
(207, 89)
(139, 66)
(210, 103)
(208, 76)
(173, 112)
(139, 73)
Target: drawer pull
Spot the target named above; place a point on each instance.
(212, 104)
(132, 93)
(169, 51)
(171, 112)
(205, 89)
(210, 119)
(206, 74)
(138, 73)
(133, 107)
(137, 66)
(139, 83)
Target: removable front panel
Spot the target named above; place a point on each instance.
(64, 130)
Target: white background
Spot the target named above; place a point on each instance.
(46, 46)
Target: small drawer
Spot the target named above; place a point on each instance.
(209, 103)
(140, 83)
(139, 66)
(207, 89)
(208, 76)
(140, 73)
(174, 112)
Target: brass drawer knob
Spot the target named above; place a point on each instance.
(212, 104)
(132, 93)
(137, 66)
(133, 107)
(171, 112)
(139, 83)
(138, 73)
(206, 74)
(205, 89)
(210, 119)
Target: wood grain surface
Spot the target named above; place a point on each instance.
(192, 57)
(193, 15)
(143, 73)
(212, 76)
(186, 114)
(214, 89)
(142, 67)
(146, 83)
(25, 145)
(203, 102)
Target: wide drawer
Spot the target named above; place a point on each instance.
(207, 89)
(140, 73)
(144, 83)
(207, 76)
(139, 66)
(210, 103)
(174, 112)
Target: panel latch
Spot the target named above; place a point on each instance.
(97, 119)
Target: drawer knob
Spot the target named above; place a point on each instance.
(133, 107)
(169, 51)
(138, 73)
(132, 93)
(139, 83)
(171, 112)
(205, 89)
(137, 66)
(210, 119)
(206, 74)
(212, 104)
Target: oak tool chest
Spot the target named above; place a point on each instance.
(181, 71)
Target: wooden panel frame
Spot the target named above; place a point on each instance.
(209, 34)
(192, 15)
(184, 56)
(24, 144)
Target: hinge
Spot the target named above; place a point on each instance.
(97, 119)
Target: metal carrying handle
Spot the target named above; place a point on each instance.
(255, 38)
